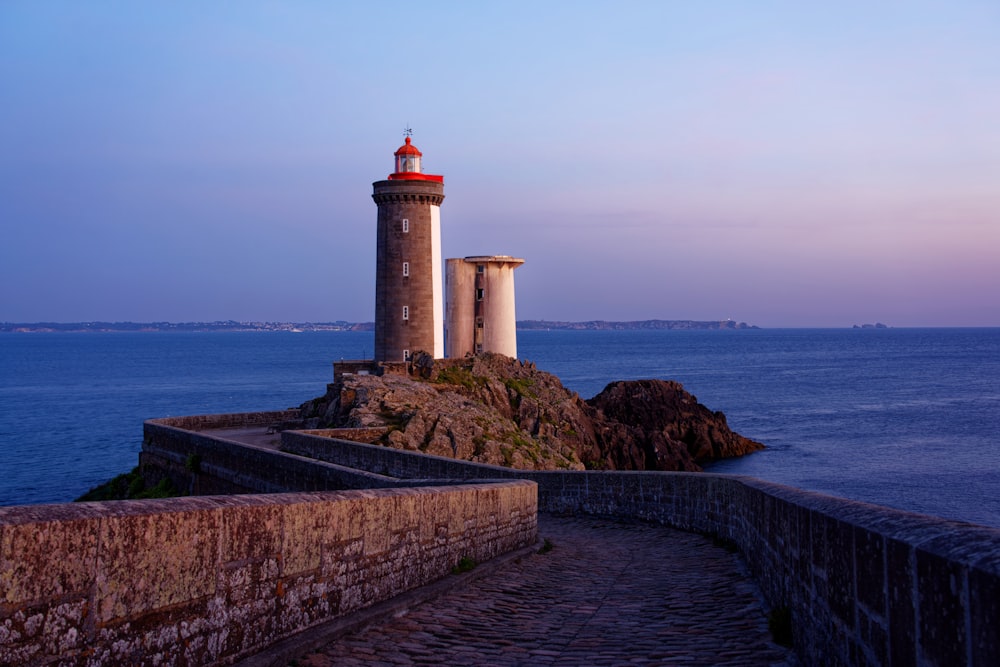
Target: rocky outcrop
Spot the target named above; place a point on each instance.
(497, 410)
(670, 428)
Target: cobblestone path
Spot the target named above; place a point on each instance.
(607, 593)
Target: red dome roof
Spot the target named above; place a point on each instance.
(408, 149)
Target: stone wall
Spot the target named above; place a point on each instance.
(864, 584)
(393, 463)
(207, 580)
(231, 420)
(368, 366)
(171, 445)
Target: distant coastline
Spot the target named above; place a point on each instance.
(227, 325)
(340, 325)
(604, 325)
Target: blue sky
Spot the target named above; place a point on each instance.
(780, 163)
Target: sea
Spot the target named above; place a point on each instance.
(907, 418)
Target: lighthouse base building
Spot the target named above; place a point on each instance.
(479, 313)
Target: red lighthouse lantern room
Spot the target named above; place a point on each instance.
(408, 165)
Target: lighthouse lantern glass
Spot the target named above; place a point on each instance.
(407, 163)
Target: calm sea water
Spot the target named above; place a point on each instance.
(908, 418)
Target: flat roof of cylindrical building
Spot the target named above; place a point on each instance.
(496, 259)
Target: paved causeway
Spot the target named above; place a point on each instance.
(608, 593)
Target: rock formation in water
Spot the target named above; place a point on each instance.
(498, 410)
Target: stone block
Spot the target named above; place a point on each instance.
(341, 561)
(901, 605)
(155, 560)
(803, 558)
(306, 601)
(346, 519)
(435, 517)
(458, 502)
(941, 612)
(873, 642)
(47, 558)
(403, 511)
(869, 559)
(376, 512)
(818, 528)
(303, 533)
(64, 630)
(840, 571)
(251, 531)
(984, 612)
(244, 582)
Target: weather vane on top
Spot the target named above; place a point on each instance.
(408, 132)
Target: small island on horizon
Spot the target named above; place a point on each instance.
(341, 325)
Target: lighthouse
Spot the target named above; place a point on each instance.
(409, 308)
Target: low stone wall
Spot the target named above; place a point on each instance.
(864, 584)
(369, 435)
(231, 420)
(368, 366)
(208, 580)
(202, 462)
(400, 464)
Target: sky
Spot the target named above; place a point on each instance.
(779, 163)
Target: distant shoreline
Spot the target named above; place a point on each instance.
(655, 325)
(231, 325)
(141, 327)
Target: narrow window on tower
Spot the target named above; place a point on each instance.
(479, 294)
(480, 268)
(406, 225)
(406, 269)
(406, 312)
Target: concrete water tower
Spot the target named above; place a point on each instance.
(480, 308)
(409, 309)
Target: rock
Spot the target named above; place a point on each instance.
(494, 409)
(662, 415)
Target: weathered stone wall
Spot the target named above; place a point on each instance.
(198, 581)
(231, 420)
(386, 461)
(363, 366)
(172, 444)
(864, 584)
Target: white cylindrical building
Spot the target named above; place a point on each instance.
(479, 312)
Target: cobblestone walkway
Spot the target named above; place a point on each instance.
(607, 593)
